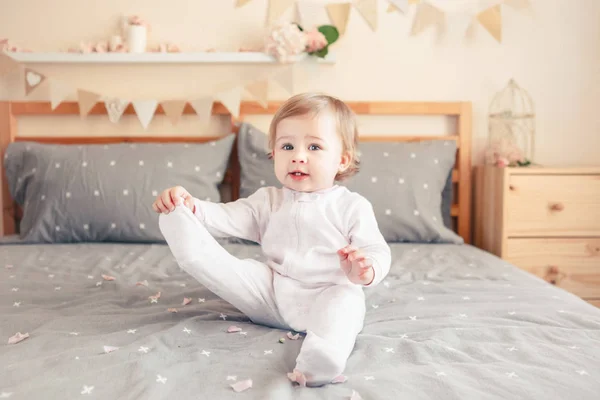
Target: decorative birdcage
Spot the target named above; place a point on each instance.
(511, 119)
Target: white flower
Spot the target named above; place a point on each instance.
(285, 41)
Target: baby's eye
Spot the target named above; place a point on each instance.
(287, 147)
(314, 147)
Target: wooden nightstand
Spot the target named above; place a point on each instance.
(543, 220)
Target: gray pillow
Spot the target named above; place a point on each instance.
(91, 193)
(257, 171)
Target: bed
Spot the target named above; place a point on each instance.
(111, 315)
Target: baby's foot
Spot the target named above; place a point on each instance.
(297, 377)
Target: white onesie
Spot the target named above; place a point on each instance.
(302, 285)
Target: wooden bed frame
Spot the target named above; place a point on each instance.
(461, 208)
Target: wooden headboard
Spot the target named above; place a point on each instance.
(461, 177)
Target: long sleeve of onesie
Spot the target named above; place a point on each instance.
(365, 235)
(241, 218)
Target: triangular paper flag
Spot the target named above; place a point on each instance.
(368, 9)
(7, 64)
(401, 5)
(339, 14)
(518, 4)
(426, 15)
(231, 100)
(32, 80)
(285, 79)
(145, 110)
(391, 8)
(87, 101)
(312, 14)
(491, 19)
(58, 92)
(259, 91)
(115, 109)
(276, 9)
(460, 25)
(241, 3)
(173, 109)
(203, 108)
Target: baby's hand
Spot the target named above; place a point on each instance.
(358, 269)
(168, 199)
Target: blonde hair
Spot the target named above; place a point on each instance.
(314, 104)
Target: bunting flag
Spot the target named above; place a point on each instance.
(259, 91)
(203, 108)
(312, 14)
(401, 5)
(115, 109)
(241, 3)
(491, 19)
(460, 25)
(286, 79)
(276, 9)
(368, 10)
(426, 16)
(7, 64)
(339, 14)
(145, 110)
(32, 80)
(87, 101)
(231, 100)
(58, 92)
(173, 109)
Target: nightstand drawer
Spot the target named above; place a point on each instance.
(553, 205)
(571, 263)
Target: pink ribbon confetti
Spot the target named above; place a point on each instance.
(17, 337)
(186, 301)
(297, 377)
(233, 329)
(242, 385)
(156, 296)
(340, 379)
(8, 266)
(293, 337)
(142, 283)
(110, 349)
(173, 310)
(108, 277)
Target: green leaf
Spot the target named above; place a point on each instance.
(321, 53)
(299, 27)
(330, 32)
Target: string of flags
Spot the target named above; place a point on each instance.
(428, 14)
(145, 109)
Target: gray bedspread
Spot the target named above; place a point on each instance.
(449, 322)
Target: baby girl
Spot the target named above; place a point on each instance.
(321, 241)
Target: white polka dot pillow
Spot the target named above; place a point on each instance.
(92, 193)
(405, 182)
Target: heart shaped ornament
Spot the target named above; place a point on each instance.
(32, 80)
(115, 109)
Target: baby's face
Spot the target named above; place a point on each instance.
(308, 152)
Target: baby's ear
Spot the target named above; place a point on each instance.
(345, 161)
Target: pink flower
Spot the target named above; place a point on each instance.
(502, 162)
(315, 41)
(135, 20)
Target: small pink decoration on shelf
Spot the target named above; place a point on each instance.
(315, 41)
(166, 48)
(505, 154)
(137, 21)
(5, 45)
(285, 42)
(288, 40)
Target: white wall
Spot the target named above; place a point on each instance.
(553, 53)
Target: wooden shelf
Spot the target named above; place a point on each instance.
(157, 58)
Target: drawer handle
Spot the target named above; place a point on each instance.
(557, 206)
(512, 187)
